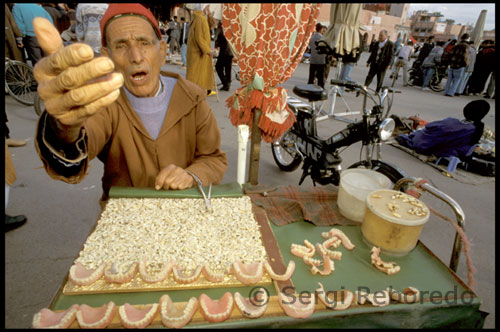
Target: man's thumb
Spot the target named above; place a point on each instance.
(48, 36)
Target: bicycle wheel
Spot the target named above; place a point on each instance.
(20, 82)
(438, 84)
(395, 77)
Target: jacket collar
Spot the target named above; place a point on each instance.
(182, 102)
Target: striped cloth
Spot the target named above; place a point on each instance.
(289, 204)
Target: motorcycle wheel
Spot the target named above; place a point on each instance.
(394, 173)
(286, 160)
(437, 85)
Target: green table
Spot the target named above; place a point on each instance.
(447, 301)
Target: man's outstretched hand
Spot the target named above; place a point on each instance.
(72, 84)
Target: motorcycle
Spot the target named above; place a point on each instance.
(321, 157)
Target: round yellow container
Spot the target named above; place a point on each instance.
(393, 221)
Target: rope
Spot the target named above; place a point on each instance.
(467, 246)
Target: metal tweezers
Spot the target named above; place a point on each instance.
(208, 204)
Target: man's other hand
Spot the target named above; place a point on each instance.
(173, 177)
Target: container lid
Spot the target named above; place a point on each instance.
(360, 181)
(397, 207)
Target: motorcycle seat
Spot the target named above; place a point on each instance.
(311, 92)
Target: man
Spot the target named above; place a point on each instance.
(11, 222)
(183, 40)
(200, 68)
(59, 17)
(87, 29)
(13, 37)
(316, 61)
(149, 128)
(424, 51)
(484, 66)
(428, 66)
(449, 137)
(468, 70)
(403, 57)
(175, 33)
(458, 60)
(380, 59)
(24, 13)
(224, 60)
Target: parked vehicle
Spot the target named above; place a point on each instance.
(320, 158)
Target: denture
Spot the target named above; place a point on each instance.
(212, 275)
(248, 274)
(341, 299)
(280, 277)
(81, 276)
(96, 318)
(186, 279)
(133, 318)
(295, 308)
(175, 318)
(252, 308)
(387, 267)
(156, 277)
(47, 318)
(216, 310)
(111, 275)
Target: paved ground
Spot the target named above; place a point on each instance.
(60, 216)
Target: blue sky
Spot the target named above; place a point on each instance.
(462, 13)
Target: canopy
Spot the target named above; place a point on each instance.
(269, 40)
(477, 34)
(343, 33)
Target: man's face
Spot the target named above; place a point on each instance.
(381, 36)
(137, 54)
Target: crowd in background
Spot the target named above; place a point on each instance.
(466, 69)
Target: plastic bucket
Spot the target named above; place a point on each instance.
(355, 185)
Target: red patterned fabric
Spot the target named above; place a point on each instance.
(269, 40)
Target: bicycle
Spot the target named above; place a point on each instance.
(20, 82)
(395, 76)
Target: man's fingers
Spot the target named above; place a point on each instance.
(69, 56)
(78, 115)
(85, 94)
(47, 35)
(162, 176)
(75, 77)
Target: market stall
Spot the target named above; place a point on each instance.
(444, 300)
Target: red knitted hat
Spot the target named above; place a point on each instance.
(116, 10)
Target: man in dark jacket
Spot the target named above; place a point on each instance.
(424, 51)
(224, 60)
(380, 59)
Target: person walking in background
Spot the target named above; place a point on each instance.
(459, 59)
(200, 68)
(11, 222)
(484, 66)
(397, 46)
(403, 57)
(24, 13)
(430, 62)
(224, 60)
(13, 37)
(380, 59)
(88, 16)
(468, 70)
(174, 28)
(316, 61)
(183, 40)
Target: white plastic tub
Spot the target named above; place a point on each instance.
(355, 185)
